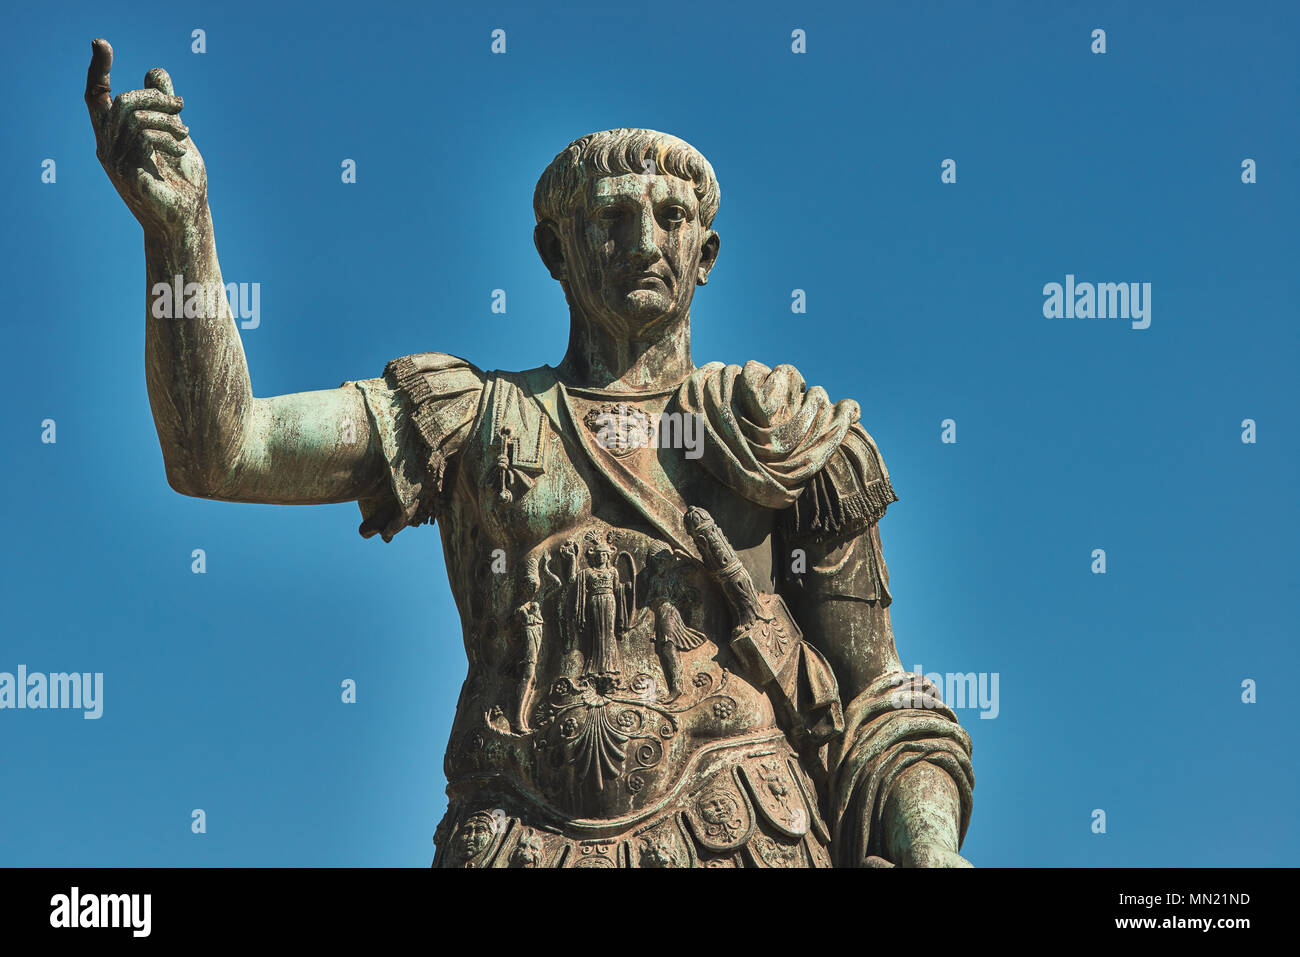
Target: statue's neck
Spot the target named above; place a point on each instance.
(598, 359)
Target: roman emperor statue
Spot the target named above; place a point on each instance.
(672, 590)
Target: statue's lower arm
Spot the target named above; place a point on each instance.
(900, 777)
(921, 819)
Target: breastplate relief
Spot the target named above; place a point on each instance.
(610, 680)
(601, 661)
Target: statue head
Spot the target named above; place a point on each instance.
(599, 548)
(718, 807)
(623, 222)
(474, 835)
(656, 853)
(528, 852)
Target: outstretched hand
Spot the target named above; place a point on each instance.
(145, 148)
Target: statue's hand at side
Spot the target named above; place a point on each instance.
(922, 855)
(920, 820)
(146, 149)
(933, 855)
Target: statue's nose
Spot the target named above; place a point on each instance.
(646, 247)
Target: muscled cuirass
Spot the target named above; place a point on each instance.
(639, 691)
(602, 692)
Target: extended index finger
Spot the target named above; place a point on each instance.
(98, 91)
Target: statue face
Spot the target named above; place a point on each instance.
(717, 809)
(634, 252)
(528, 853)
(475, 834)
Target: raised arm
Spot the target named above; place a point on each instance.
(218, 440)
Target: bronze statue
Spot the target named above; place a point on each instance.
(698, 667)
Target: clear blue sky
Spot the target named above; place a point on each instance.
(1120, 692)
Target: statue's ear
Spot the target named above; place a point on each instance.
(708, 256)
(551, 248)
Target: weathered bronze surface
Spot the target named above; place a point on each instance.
(670, 579)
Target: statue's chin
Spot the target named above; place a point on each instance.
(644, 310)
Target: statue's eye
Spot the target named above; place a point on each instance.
(609, 214)
(674, 214)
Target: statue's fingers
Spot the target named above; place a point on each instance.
(144, 100)
(98, 91)
(139, 120)
(159, 79)
(132, 101)
(162, 141)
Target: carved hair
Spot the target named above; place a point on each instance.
(615, 152)
(593, 541)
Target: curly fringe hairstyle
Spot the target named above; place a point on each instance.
(615, 152)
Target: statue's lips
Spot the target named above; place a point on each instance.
(646, 281)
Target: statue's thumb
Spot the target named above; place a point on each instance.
(98, 91)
